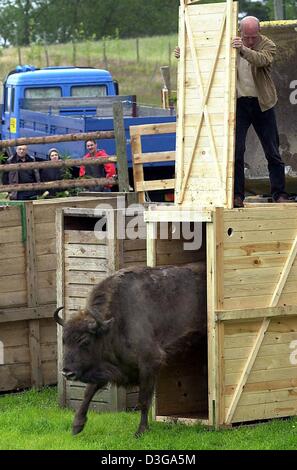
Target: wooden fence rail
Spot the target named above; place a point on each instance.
(58, 164)
(57, 138)
(59, 184)
(121, 159)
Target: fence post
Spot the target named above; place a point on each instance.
(137, 51)
(45, 46)
(121, 150)
(73, 51)
(105, 60)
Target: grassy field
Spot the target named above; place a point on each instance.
(33, 420)
(135, 64)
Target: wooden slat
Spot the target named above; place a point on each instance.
(255, 313)
(59, 227)
(147, 129)
(138, 173)
(156, 157)
(34, 331)
(207, 91)
(154, 185)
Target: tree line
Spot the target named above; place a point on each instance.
(58, 21)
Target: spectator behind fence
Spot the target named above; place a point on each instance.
(52, 174)
(108, 170)
(22, 176)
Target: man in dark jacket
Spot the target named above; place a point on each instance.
(22, 176)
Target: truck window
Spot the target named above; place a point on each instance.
(9, 99)
(43, 92)
(12, 99)
(91, 91)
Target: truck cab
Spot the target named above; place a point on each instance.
(27, 86)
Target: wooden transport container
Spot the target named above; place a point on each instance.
(28, 291)
(252, 317)
(84, 260)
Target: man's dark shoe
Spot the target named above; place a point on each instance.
(238, 202)
(282, 198)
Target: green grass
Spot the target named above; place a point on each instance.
(138, 76)
(33, 420)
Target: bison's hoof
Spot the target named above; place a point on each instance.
(77, 428)
(140, 431)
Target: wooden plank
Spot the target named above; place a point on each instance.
(288, 373)
(272, 362)
(154, 185)
(258, 313)
(181, 93)
(11, 234)
(45, 210)
(79, 250)
(206, 75)
(59, 227)
(264, 327)
(86, 264)
(25, 313)
(256, 249)
(32, 299)
(121, 148)
(270, 396)
(13, 283)
(285, 273)
(46, 247)
(258, 301)
(10, 216)
(134, 256)
(151, 237)
(212, 332)
(230, 103)
(147, 129)
(82, 236)
(264, 386)
(255, 236)
(79, 290)
(11, 250)
(15, 376)
(138, 173)
(155, 157)
(170, 213)
(259, 225)
(265, 411)
(84, 277)
(204, 97)
(12, 267)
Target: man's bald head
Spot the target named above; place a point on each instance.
(250, 30)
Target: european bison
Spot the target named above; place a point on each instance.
(134, 320)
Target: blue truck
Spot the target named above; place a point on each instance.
(61, 100)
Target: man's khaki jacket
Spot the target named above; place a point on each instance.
(261, 58)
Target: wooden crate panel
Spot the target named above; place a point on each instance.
(85, 261)
(257, 242)
(27, 287)
(206, 96)
(270, 389)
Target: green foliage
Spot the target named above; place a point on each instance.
(25, 21)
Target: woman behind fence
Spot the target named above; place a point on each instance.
(52, 174)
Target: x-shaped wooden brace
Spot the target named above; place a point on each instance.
(204, 97)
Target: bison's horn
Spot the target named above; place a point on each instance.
(58, 319)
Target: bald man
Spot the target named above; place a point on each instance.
(256, 98)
